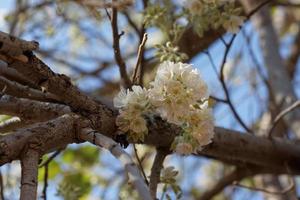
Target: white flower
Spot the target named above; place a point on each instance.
(121, 100)
(184, 148)
(133, 105)
(175, 88)
(138, 96)
(233, 23)
(201, 125)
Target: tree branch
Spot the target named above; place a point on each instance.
(12, 124)
(30, 109)
(134, 174)
(18, 90)
(29, 163)
(281, 115)
(50, 135)
(117, 52)
(14, 75)
(235, 175)
(156, 169)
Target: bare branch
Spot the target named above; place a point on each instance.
(140, 164)
(283, 94)
(14, 75)
(134, 174)
(227, 180)
(13, 46)
(222, 80)
(285, 191)
(137, 69)
(46, 168)
(29, 163)
(51, 135)
(156, 168)
(117, 52)
(61, 85)
(281, 115)
(30, 109)
(18, 90)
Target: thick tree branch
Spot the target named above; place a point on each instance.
(50, 136)
(12, 124)
(14, 75)
(29, 181)
(134, 174)
(18, 90)
(30, 109)
(61, 85)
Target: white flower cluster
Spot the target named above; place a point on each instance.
(213, 14)
(178, 95)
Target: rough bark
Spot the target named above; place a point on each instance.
(29, 181)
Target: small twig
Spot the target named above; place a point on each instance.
(140, 164)
(29, 163)
(281, 115)
(46, 168)
(117, 52)
(255, 61)
(221, 77)
(155, 170)
(236, 175)
(44, 196)
(137, 69)
(218, 99)
(134, 174)
(252, 12)
(211, 61)
(222, 80)
(284, 191)
(54, 155)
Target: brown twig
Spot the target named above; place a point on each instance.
(137, 69)
(281, 115)
(252, 12)
(54, 155)
(222, 80)
(46, 168)
(116, 46)
(140, 164)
